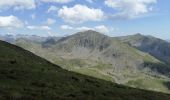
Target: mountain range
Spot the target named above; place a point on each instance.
(33, 38)
(25, 76)
(138, 61)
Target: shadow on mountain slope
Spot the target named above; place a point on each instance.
(160, 68)
(167, 84)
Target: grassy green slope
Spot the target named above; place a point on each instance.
(25, 76)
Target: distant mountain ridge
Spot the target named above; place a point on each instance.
(154, 46)
(33, 38)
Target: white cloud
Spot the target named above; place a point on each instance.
(84, 28)
(66, 27)
(100, 28)
(45, 28)
(17, 4)
(39, 27)
(28, 4)
(31, 27)
(10, 21)
(80, 13)
(50, 21)
(130, 8)
(58, 1)
(52, 8)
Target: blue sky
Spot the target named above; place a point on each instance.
(65, 17)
